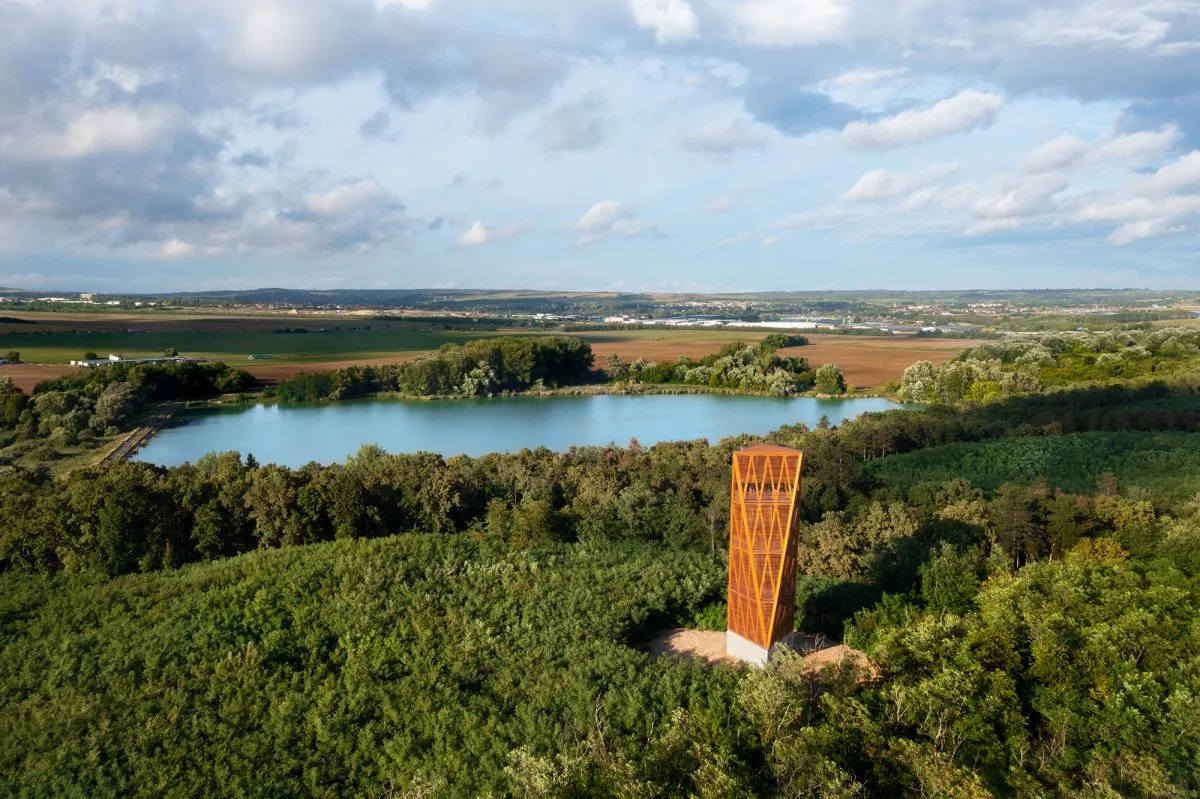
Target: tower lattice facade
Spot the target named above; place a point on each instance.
(763, 521)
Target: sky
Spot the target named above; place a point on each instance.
(633, 145)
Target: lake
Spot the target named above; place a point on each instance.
(293, 435)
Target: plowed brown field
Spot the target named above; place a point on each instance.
(866, 361)
(26, 376)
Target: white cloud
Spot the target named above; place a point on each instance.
(671, 20)
(1068, 151)
(1181, 175)
(119, 130)
(882, 184)
(174, 249)
(989, 226)
(1143, 229)
(1116, 23)
(289, 39)
(955, 198)
(964, 111)
(128, 79)
(720, 205)
(721, 137)
(1169, 49)
(609, 219)
(347, 196)
(1163, 203)
(1007, 196)
(863, 76)
(1136, 148)
(919, 200)
(1058, 153)
(1127, 209)
(123, 122)
(815, 219)
(411, 5)
(477, 235)
(580, 125)
(355, 215)
(785, 23)
(769, 241)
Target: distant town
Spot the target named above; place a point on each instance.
(952, 314)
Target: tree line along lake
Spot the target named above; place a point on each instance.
(293, 435)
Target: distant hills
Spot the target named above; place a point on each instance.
(566, 302)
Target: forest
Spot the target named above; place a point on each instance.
(83, 409)
(1023, 574)
(480, 368)
(140, 517)
(487, 367)
(750, 368)
(1033, 362)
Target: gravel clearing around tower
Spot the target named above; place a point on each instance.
(709, 646)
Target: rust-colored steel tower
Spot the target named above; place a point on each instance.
(763, 520)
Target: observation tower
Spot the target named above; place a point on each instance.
(763, 520)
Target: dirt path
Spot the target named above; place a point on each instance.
(709, 646)
(125, 447)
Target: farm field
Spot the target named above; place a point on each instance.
(53, 340)
(231, 345)
(869, 362)
(866, 361)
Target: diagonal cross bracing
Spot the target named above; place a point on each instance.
(762, 543)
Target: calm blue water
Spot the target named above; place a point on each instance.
(293, 435)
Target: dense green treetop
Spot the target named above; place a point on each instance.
(477, 368)
(751, 368)
(1024, 575)
(1028, 363)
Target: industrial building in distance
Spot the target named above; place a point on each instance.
(112, 358)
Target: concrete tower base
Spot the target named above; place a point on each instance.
(745, 651)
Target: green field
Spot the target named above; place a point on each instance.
(331, 345)
(328, 345)
(1164, 464)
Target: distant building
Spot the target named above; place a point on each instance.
(87, 297)
(260, 356)
(114, 358)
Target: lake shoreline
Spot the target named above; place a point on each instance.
(586, 390)
(331, 431)
(156, 422)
